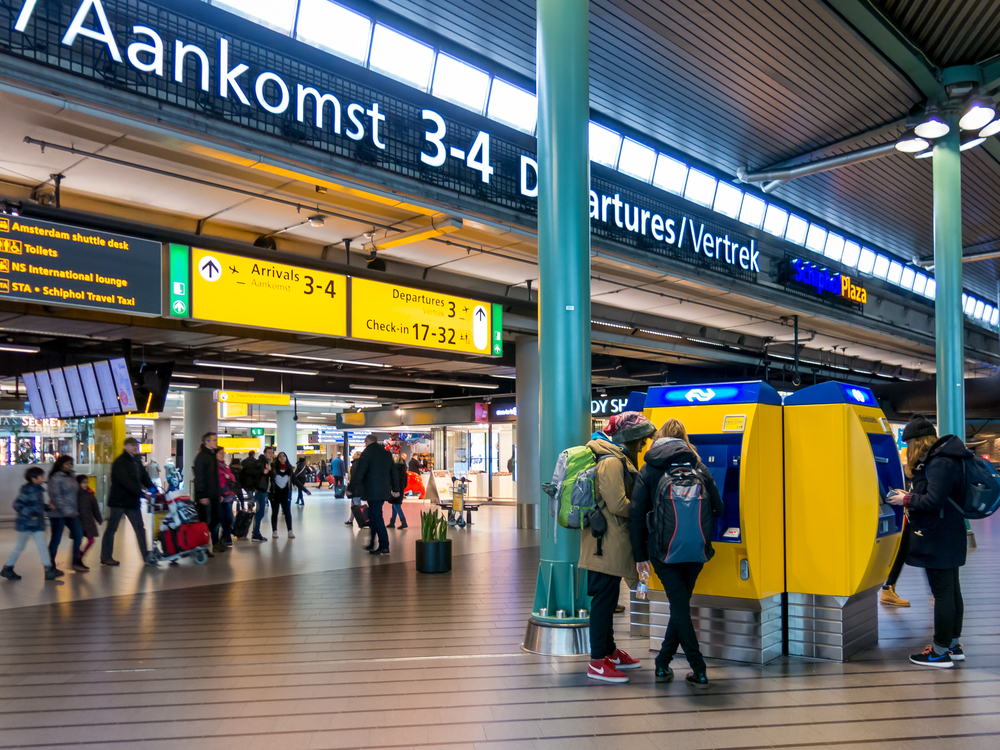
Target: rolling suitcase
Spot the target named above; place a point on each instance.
(360, 514)
(242, 523)
(192, 535)
(338, 491)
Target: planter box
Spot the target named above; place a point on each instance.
(434, 557)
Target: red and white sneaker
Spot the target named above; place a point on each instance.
(623, 661)
(604, 670)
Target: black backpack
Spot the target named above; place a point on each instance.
(681, 513)
(982, 488)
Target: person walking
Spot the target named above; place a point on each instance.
(228, 487)
(90, 513)
(257, 474)
(281, 494)
(616, 450)
(128, 478)
(938, 543)
(338, 470)
(374, 479)
(299, 480)
(64, 511)
(236, 467)
(676, 542)
(30, 507)
(322, 474)
(414, 465)
(399, 466)
(207, 493)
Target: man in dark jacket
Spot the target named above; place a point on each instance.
(257, 473)
(128, 478)
(938, 541)
(677, 561)
(207, 495)
(373, 478)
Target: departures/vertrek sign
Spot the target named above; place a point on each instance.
(182, 54)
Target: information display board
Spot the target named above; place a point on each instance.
(247, 291)
(64, 265)
(106, 381)
(75, 385)
(63, 403)
(123, 384)
(34, 396)
(403, 315)
(91, 389)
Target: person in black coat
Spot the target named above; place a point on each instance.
(671, 448)
(399, 466)
(374, 479)
(938, 542)
(207, 493)
(128, 478)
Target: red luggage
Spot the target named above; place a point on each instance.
(185, 538)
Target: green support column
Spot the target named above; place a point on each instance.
(948, 315)
(564, 305)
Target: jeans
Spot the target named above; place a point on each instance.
(299, 498)
(949, 609)
(260, 498)
(603, 590)
(211, 515)
(678, 581)
(134, 516)
(376, 522)
(286, 507)
(397, 510)
(22, 542)
(904, 550)
(226, 509)
(59, 523)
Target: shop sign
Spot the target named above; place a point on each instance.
(826, 282)
(58, 264)
(605, 407)
(503, 410)
(239, 445)
(402, 315)
(281, 89)
(30, 423)
(248, 397)
(247, 291)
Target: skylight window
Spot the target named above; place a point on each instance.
(460, 83)
(816, 238)
(797, 228)
(775, 220)
(753, 209)
(919, 283)
(995, 317)
(895, 272)
(909, 276)
(881, 267)
(852, 253)
(275, 14)
(728, 200)
(334, 29)
(700, 188)
(930, 291)
(637, 160)
(980, 309)
(401, 57)
(605, 145)
(670, 174)
(513, 106)
(866, 263)
(970, 304)
(834, 249)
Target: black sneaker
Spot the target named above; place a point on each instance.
(9, 574)
(383, 551)
(957, 654)
(110, 561)
(697, 680)
(927, 658)
(349, 523)
(258, 538)
(664, 674)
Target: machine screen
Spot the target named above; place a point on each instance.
(890, 477)
(721, 454)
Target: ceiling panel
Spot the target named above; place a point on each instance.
(949, 32)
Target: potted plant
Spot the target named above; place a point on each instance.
(434, 547)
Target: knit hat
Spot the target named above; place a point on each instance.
(628, 426)
(917, 427)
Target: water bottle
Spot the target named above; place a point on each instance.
(643, 588)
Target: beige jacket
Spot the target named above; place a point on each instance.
(613, 493)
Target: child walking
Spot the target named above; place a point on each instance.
(30, 508)
(90, 514)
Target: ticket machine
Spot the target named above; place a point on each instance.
(737, 430)
(840, 534)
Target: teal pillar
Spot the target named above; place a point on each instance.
(564, 303)
(949, 321)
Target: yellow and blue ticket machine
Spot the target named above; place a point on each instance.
(840, 534)
(737, 605)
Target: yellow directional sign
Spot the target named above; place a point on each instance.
(403, 315)
(246, 291)
(248, 397)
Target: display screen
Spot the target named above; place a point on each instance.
(63, 403)
(123, 384)
(48, 398)
(91, 389)
(80, 408)
(107, 384)
(34, 397)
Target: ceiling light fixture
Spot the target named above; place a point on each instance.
(978, 114)
(208, 376)
(307, 394)
(230, 366)
(992, 129)
(457, 384)
(316, 221)
(931, 125)
(19, 349)
(395, 388)
(911, 142)
(436, 228)
(328, 359)
(184, 386)
(968, 143)
(925, 154)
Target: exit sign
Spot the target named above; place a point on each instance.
(256, 432)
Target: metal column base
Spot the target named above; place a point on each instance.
(556, 639)
(832, 627)
(746, 630)
(528, 516)
(638, 616)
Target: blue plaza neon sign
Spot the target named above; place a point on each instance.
(823, 281)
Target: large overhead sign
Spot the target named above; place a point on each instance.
(403, 315)
(63, 265)
(283, 87)
(252, 397)
(826, 283)
(248, 291)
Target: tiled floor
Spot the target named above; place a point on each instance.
(367, 654)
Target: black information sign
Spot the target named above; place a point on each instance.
(63, 265)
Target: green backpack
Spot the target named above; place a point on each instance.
(572, 489)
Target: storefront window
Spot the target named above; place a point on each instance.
(25, 440)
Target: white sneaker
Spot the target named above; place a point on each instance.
(274, 534)
(291, 535)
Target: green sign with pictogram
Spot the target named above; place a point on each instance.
(180, 264)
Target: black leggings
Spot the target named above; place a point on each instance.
(678, 581)
(286, 507)
(603, 590)
(949, 609)
(904, 550)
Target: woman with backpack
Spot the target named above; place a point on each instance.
(608, 560)
(938, 541)
(281, 494)
(671, 526)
